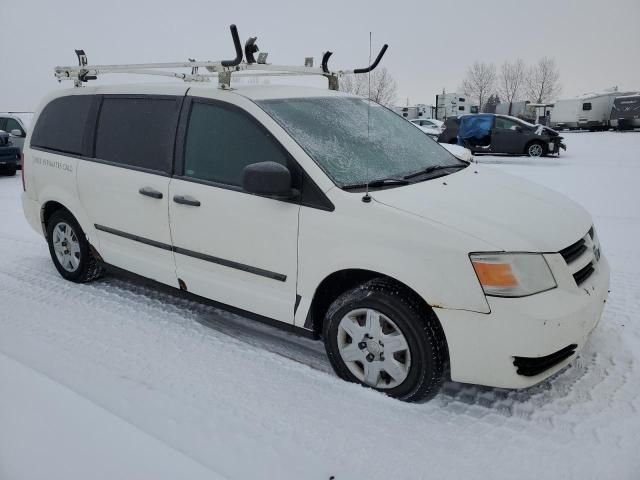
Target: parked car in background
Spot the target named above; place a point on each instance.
(430, 126)
(16, 125)
(625, 113)
(490, 133)
(9, 155)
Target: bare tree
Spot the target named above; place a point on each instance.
(383, 86)
(543, 81)
(480, 82)
(512, 81)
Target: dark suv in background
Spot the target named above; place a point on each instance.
(9, 155)
(491, 133)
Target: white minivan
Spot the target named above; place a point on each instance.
(313, 210)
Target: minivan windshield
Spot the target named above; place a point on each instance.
(356, 143)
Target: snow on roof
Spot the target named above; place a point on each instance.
(602, 93)
(632, 95)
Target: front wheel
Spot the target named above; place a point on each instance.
(11, 171)
(70, 250)
(380, 336)
(536, 149)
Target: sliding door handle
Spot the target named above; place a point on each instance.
(150, 192)
(186, 200)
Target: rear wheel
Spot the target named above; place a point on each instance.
(10, 171)
(380, 336)
(536, 149)
(70, 250)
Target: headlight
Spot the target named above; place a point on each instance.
(512, 274)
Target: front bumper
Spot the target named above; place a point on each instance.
(9, 161)
(484, 347)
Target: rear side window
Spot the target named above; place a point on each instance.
(138, 132)
(222, 140)
(62, 123)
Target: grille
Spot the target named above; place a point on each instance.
(573, 252)
(584, 273)
(531, 366)
(582, 257)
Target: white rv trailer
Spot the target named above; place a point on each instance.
(416, 111)
(590, 111)
(452, 105)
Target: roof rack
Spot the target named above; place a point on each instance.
(222, 69)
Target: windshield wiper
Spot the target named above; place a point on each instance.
(382, 182)
(435, 168)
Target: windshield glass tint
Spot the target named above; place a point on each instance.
(335, 132)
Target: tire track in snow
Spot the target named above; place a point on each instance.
(142, 299)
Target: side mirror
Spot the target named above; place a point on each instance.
(16, 133)
(270, 179)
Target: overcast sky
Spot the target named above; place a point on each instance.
(596, 44)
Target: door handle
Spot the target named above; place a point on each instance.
(186, 200)
(150, 192)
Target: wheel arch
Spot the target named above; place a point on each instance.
(338, 282)
(49, 208)
(53, 204)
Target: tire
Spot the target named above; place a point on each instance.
(418, 365)
(536, 149)
(79, 264)
(10, 172)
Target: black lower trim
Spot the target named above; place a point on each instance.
(231, 264)
(223, 306)
(135, 238)
(531, 366)
(190, 253)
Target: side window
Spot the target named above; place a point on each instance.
(12, 124)
(222, 140)
(62, 123)
(138, 131)
(586, 106)
(506, 124)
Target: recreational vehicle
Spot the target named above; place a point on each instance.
(590, 111)
(453, 104)
(625, 114)
(521, 110)
(416, 111)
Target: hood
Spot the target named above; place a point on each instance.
(508, 212)
(550, 132)
(459, 152)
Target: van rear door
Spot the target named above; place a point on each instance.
(125, 190)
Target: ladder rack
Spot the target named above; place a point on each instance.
(222, 69)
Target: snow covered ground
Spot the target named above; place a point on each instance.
(125, 379)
